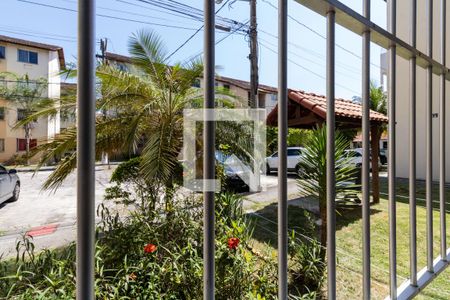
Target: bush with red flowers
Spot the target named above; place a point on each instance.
(127, 265)
(233, 243)
(150, 248)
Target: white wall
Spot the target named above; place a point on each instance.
(403, 94)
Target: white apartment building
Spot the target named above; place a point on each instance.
(38, 60)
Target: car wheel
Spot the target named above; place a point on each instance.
(267, 169)
(298, 171)
(16, 193)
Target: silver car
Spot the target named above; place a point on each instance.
(9, 185)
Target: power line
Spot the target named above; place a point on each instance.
(319, 34)
(38, 36)
(312, 61)
(195, 33)
(309, 70)
(191, 12)
(108, 16)
(125, 12)
(222, 39)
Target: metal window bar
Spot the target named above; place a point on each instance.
(366, 153)
(208, 149)
(282, 148)
(359, 24)
(442, 133)
(412, 153)
(429, 141)
(86, 150)
(330, 164)
(336, 12)
(392, 52)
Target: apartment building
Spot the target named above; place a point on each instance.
(403, 91)
(240, 89)
(37, 60)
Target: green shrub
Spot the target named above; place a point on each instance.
(150, 254)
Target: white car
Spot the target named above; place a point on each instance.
(356, 157)
(294, 155)
(9, 185)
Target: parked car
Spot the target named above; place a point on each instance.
(234, 172)
(383, 156)
(9, 185)
(294, 155)
(356, 157)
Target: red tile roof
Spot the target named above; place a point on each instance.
(16, 41)
(343, 108)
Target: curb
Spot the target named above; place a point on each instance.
(52, 168)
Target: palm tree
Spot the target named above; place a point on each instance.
(28, 96)
(145, 113)
(378, 103)
(312, 178)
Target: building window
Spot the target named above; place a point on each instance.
(27, 56)
(2, 51)
(196, 83)
(22, 144)
(21, 114)
(122, 67)
(2, 145)
(2, 113)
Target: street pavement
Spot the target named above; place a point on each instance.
(50, 216)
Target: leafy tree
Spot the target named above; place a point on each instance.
(27, 96)
(145, 114)
(312, 178)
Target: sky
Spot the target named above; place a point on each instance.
(118, 19)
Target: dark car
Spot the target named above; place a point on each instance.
(9, 185)
(234, 171)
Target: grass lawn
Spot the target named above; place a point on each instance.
(349, 242)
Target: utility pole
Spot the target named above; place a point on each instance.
(254, 78)
(103, 48)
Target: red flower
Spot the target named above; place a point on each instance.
(150, 248)
(233, 243)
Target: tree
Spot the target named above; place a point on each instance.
(378, 103)
(312, 178)
(145, 114)
(28, 96)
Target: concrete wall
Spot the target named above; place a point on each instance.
(403, 92)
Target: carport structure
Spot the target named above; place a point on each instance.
(307, 110)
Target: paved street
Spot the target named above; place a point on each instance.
(53, 214)
(37, 208)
